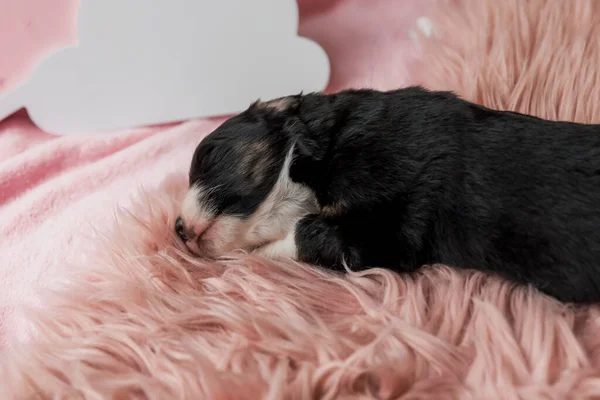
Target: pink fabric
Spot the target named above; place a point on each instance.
(56, 193)
(30, 28)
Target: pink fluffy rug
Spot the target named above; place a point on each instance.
(148, 322)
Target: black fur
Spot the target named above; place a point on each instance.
(413, 177)
(240, 162)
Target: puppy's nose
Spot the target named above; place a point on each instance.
(180, 229)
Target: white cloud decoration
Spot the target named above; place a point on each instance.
(141, 62)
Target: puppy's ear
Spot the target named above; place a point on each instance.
(308, 155)
(308, 151)
(311, 122)
(313, 129)
(307, 147)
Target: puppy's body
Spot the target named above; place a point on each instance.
(412, 177)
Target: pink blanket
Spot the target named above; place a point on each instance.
(56, 193)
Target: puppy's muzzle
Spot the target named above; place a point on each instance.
(191, 236)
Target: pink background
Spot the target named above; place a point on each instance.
(56, 192)
(30, 28)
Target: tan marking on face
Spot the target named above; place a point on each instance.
(259, 147)
(254, 159)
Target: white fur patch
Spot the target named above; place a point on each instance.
(194, 212)
(284, 248)
(286, 204)
(425, 25)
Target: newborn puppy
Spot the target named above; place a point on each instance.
(401, 179)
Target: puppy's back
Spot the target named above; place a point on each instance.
(531, 195)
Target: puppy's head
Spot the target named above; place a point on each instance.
(240, 193)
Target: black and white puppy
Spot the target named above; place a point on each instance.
(400, 179)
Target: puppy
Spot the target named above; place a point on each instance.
(400, 179)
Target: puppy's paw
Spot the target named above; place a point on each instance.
(284, 248)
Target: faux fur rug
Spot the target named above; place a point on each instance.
(151, 323)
